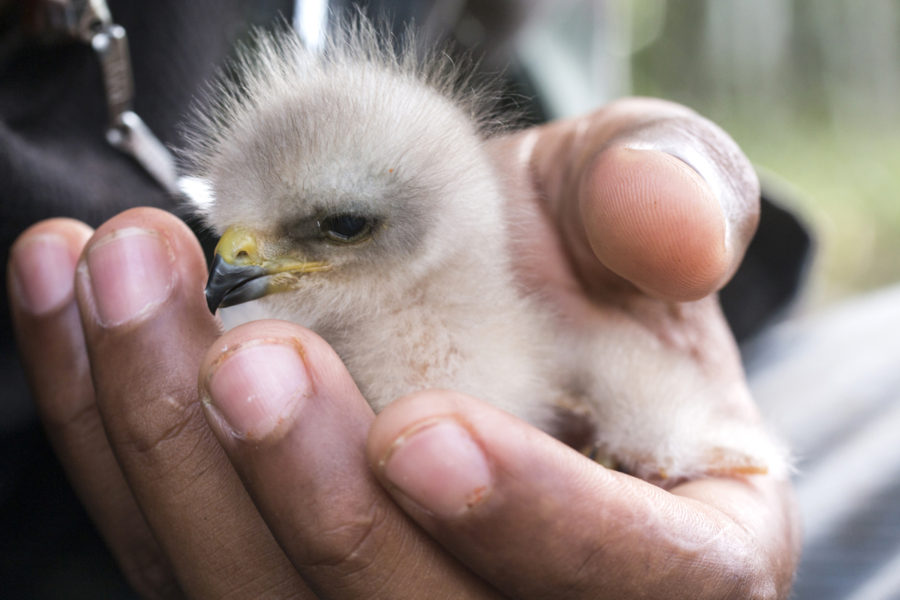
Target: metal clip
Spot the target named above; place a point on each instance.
(111, 46)
(127, 131)
(91, 16)
(90, 21)
(72, 19)
(131, 135)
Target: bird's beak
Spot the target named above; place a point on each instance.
(240, 272)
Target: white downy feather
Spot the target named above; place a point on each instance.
(431, 300)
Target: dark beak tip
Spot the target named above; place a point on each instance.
(211, 302)
(213, 291)
(233, 284)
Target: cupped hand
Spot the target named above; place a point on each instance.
(628, 221)
(274, 478)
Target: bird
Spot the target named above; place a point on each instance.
(352, 193)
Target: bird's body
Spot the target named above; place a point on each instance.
(355, 182)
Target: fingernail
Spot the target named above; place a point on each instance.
(256, 389)
(439, 466)
(44, 271)
(132, 272)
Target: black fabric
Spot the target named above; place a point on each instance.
(772, 273)
(48, 547)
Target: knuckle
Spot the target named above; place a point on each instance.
(78, 417)
(147, 403)
(149, 573)
(349, 547)
(165, 430)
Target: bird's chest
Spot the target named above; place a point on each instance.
(406, 352)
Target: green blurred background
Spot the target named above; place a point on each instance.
(810, 89)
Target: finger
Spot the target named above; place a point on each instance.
(294, 425)
(41, 276)
(652, 193)
(140, 292)
(539, 520)
(652, 220)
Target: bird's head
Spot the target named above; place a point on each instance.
(344, 181)
(332, 243)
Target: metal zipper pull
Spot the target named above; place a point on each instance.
(90, 21)
(127, 131)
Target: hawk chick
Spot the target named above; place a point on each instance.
(353, 196)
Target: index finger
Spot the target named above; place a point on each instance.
(140, 293)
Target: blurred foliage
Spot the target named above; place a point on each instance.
(811, 91)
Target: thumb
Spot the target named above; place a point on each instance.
(649, 192)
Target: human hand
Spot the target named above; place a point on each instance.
(641, 196)
(514, 511)
(628, 221)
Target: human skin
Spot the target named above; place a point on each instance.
(304, 492)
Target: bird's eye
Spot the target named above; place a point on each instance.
(346, 228)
